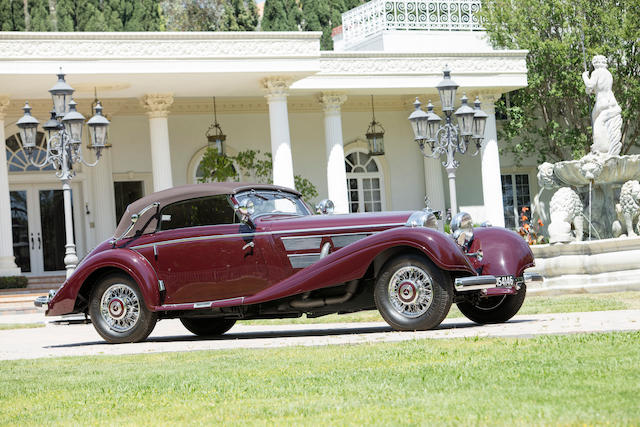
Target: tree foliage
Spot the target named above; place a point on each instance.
(251, 165)
(281, 15)
(550, 118)
(210, 15)
(81, 15)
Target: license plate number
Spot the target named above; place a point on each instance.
(504, 281)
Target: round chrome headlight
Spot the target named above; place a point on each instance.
(462, 228)
(423, 218)
(325, 207)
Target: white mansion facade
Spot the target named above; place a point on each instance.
(275, 92)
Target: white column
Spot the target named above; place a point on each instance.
(433, 184)
(8, 265)
(491, 183)
(104, 205)
(336, 173)
(157, 106)
(276, 89)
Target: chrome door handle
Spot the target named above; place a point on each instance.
(248, 245)
(32, 242)
(39, 242)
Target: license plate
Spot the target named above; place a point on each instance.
(504, 281)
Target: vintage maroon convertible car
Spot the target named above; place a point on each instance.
(210, 254)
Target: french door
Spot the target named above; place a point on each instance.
(37, 216)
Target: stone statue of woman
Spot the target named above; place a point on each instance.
(606, 118)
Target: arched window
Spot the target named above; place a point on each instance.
(17, 158)
(365, 183)
(194, 170)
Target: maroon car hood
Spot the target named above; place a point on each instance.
(352, 222)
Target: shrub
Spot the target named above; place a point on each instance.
(11, 282)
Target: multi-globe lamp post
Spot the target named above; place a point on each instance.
(63, 148)
(436, 140)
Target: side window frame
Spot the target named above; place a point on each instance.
(163, 210)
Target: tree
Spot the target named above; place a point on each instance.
(281, 15)
(12, 15)
(239, 15)
(550, 118)
(40, 20)
(192, 15)
(252, 165)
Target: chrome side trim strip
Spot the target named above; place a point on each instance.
(345, 240)
(261, 233)
(301, 243)
(202, 304)
(303, 260)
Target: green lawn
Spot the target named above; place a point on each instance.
(568, 380)
(4, 326)
(532, 305)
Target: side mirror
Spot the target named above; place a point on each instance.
(244, 211)
(325, 207)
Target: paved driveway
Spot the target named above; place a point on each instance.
(169, 335)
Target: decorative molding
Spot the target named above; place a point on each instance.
(157, 45)
(157, 104)
(276, 87)
(4, 104)
(332, 101)
(422, 64)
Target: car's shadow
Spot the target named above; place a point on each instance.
(248, 335)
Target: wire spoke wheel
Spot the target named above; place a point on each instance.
(410, 291)
(120, 307)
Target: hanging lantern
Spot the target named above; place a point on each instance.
(215, 137)
(28, 126)
(375, 135)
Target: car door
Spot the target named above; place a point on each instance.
(203, 254)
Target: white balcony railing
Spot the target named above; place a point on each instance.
(430, 15)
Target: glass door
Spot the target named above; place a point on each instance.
(37, 213)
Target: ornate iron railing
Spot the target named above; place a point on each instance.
(430, 15)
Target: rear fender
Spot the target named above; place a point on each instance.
(352, 261)
(125, 260)
(504, 252)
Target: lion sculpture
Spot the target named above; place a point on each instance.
(566, 209)
(628, 210)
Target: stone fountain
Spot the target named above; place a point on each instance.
(598, 194)
(595, 198)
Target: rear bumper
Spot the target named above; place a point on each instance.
(478, 283)
(43, 301)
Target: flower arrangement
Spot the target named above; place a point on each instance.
(530, 232)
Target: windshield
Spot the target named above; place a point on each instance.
(274, 203)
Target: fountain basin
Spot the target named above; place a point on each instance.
(607, 265)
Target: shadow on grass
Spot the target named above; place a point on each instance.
(329, 331)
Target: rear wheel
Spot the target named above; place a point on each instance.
(118, 312)
(207, 327)
(497, 309)
(411, 293)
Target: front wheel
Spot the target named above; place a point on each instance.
(207, 327)
(411, 293)
(118, 312)
(496, 309)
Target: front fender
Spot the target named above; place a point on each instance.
(504, 252)
(352, 261)
(126, 260)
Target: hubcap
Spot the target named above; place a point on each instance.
(410, 291)
(120, 307)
